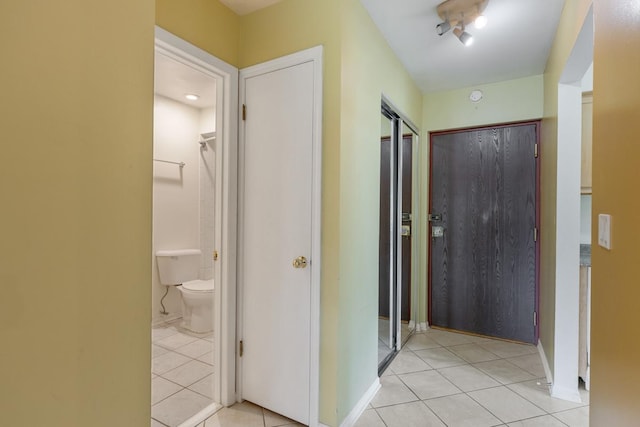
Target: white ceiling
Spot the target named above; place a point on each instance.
(244, 7)
(514, 44)
(174, 80)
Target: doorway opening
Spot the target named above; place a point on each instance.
(193, 219)
(397, 275)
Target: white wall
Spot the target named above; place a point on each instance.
(176, 191)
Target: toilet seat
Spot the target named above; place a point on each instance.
(198, 285)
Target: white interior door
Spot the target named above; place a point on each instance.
(277, 181)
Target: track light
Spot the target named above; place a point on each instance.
(458, 14)
(465, 38)
(443, 27)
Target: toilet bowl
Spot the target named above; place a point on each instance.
(180, 268)
(197, 305)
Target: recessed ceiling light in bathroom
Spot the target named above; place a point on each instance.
(191, 97)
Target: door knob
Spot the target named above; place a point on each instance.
(300, 262)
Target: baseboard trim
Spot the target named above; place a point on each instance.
(563, 393)
(202, 415)
(422, 327)
(545, 363)
(362, 404)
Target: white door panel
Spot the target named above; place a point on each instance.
(276, 229)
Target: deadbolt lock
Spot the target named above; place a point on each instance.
(300, 262)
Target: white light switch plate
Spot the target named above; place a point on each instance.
(604, 231)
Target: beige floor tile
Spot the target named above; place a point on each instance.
(392, 392)
(421, 342)
(369, 418)
(167, 362)
(189, 373)
(156, 350)
(179, 407)
(429, 384)
(175, 341)
(468, 378)
(415, 414)
(206, 358)
(504, 371)
(271, 419)
(544, 421)
(195, 349)
(578, 417)
(161, 389)
(155, 423)
(508, 349)
(161, 332)
(537, 392)
(505, 404)
(243, 414)
(461, 411)
(439, 358)
(204, 386)
(472, 353)
(530, 363)
(407, 361)
(447, 339)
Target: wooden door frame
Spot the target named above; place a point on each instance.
(315, 56)
(537, 124)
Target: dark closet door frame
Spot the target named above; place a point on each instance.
(537, 124)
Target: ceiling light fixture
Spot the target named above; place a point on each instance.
(465, 38)
(458, 14)
(443, 27)
(191, 97)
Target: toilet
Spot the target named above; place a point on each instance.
(180, 268)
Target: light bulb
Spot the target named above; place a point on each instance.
(192, 97)
(480, 22)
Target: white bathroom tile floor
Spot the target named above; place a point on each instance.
(440, 378)
(181, 369)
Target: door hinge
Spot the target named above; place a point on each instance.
(241, 349)
(535, 319)
(535, 234)
(244, 112)
(535, 150)
(215, 255)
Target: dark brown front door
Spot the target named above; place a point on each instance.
(484, 256)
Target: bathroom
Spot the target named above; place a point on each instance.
(184, 218)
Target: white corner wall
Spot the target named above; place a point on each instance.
(176, 191)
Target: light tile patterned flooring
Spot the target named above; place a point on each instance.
(439, 379)
(442, 378)
(181, 371)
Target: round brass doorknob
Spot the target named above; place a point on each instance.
(300, 262)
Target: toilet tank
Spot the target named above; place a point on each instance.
(178, 266)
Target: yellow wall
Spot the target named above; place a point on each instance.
(615, 349)
(369, 69)
(76, 120)
(571, 22)
(508, 101)
(208, 24)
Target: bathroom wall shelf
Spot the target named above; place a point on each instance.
(181, 164)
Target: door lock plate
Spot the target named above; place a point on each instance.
(437, 231)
